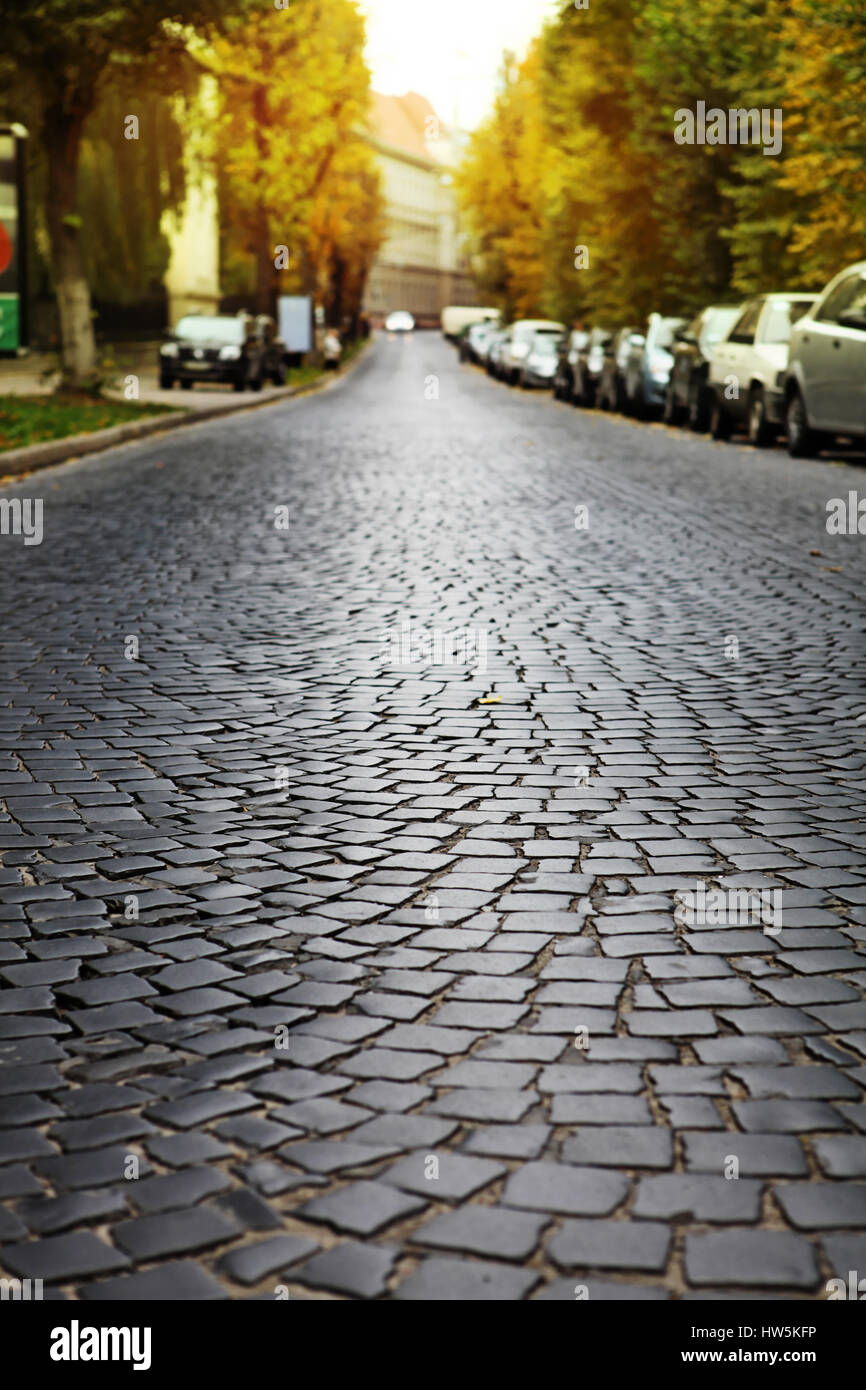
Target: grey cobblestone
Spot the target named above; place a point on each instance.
(241, 1012)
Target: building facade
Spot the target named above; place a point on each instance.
(192, 277)
(420, 266)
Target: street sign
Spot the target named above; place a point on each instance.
(294, 320)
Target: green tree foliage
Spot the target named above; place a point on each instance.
(125, 186)
(59, 53)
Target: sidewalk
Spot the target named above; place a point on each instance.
(204, 401)
(23, 377)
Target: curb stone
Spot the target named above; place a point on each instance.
(18, 463)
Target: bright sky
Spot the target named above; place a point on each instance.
(448, 50)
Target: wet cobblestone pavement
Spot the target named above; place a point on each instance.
(340, 951)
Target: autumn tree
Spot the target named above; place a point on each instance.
(579, 156)
(345, 231)
(824, 56)
(499, 192)
(62, 50)
(294, 91)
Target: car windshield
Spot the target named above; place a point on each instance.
(544, 345)
(716, 325)
(782, 316)
(529, 330)
(665, 330)
(200, 328)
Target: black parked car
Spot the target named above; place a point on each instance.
(588, 366)
(214, 347)
(611, 384)
(688, 397)
(569, 347)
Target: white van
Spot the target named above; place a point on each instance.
(457, 316)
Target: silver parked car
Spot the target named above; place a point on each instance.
(825, 384)
(492, 351)
(539, 365)
(748, 366)
(518, 341)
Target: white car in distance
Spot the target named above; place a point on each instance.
(400, 321)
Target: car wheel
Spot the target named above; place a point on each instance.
(699, 410)
(720, 421)
(803, 441)
(185, 385)
(256, 382)
(278, 376)
(166, 381)
(670, 410)
(761, 432)
(239, 383)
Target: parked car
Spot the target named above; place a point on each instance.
(588, 367)
(459, 340)
(648, 365)
(825, 381)
(748, 367)
(497, 342)
(517, 343)
(569, 347)
(611, 384)
(399, 322)
(485, 346)
(455, 317)
(214, 347)
(687, 397)
(472, 340)
(539, 365)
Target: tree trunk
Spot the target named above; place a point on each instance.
(265, 297)
(337, 292)
(78, 343)
(308, 287)
(264, 252)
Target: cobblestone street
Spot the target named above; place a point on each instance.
(354, 751)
